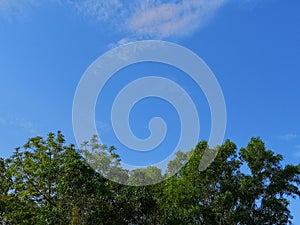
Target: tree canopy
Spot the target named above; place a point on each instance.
(47, 181)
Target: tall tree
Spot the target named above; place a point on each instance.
(52, 184)
(4, 187)
(49, 182)
(225, 194)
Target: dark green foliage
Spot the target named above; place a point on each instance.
(49, 182)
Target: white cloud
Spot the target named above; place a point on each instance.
(135, 19)
(171, 19)
(122, 41)
(101, 10)
(10, 121)
(104, 127)
(151, 18)
(138, 19)
(289, 137)
(14, 9)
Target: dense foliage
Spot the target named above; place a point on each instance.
(49, 182)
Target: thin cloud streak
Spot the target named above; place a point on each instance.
(21, 123)
(134, 19)
(14, 9)
(152, 18)
(171, 19)
(288, 137)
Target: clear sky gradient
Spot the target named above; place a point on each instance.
(252, 46)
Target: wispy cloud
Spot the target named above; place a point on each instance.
(288, 137)
(16, 122)
(151, 18)
(171, 19)
(13, 9)
(103, 127)
(135, 19)
(297, 148)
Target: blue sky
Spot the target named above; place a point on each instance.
(252, 47)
